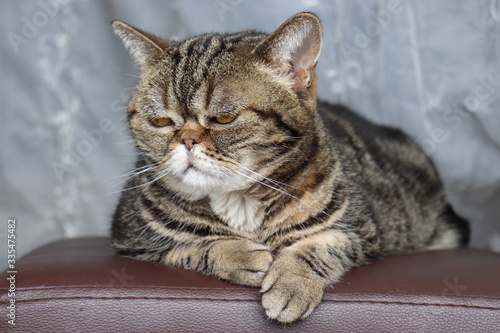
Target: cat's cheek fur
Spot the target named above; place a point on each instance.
(177, 161)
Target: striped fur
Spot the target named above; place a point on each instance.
(244, 176)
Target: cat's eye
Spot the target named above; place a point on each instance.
(225, 119)
(161, 122)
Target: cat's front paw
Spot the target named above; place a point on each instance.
(241, 262)
(290, 292)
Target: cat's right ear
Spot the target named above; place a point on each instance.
(145, 48)
(294, 48)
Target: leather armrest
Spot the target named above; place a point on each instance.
(79, 285)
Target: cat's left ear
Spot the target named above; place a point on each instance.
(145, 48)
(294, 48)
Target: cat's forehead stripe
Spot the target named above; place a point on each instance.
(194, 59)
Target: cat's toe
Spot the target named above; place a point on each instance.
(289, 297)
(253, 269)
(242, 262)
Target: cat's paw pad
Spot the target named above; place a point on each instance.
(243, 262)
(290, 295)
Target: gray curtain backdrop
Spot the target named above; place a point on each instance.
(430, 67)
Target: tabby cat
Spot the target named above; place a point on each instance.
(243, 175)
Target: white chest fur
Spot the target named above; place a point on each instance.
(240, 212)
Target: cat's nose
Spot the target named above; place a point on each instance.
(190, 136)
(190, 142)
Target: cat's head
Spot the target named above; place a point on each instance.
(225, 111)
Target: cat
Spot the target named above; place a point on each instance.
(243, 175)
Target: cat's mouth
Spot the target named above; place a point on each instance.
(200, 172)
(192, 163)
(198, 166)
(191, 166)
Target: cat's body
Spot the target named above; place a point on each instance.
(241, 175)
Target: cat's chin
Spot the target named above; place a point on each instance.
(196, 181)
(195, 177)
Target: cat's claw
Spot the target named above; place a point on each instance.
(289, 295)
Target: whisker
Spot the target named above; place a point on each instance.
(122, 143)
(262, 183)
(276, 182)
(135, 187)
(129, 88)
(125, 73)
(134, 173)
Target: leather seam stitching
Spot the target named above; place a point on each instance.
(254, 300)
(239, 290)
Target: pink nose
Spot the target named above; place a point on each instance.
(190, 137)
(190, 142)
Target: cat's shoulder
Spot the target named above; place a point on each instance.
(340, 119)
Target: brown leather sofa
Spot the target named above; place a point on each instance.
(78, 285)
